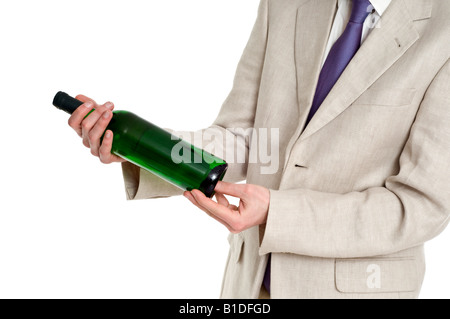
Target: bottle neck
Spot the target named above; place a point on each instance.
(66, 103)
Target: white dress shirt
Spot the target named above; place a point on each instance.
(343, 16)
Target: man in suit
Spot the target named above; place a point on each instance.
(360, 93)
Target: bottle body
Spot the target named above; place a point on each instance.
(157, 150)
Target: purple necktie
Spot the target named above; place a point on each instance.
(339, 57)
(341, 54)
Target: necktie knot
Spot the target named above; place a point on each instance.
(360, 11)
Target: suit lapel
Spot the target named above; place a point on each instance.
(313, 26)
(385, 45)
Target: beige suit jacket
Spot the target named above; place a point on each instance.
(362, 187)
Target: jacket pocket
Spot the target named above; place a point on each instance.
(236, 244)
(387, 97)
(373, 275)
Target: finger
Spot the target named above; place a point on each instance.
(235, 190)
(89, 122)
(105, 155)
(109, 105)
(105, 149)
(97, 131)
(191, 198)
(222, 200)
(85, 99)
(224, 213)
(78, 115)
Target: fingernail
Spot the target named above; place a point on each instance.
(88, 104)
(108, 134)
(108, 105)
(106, 115)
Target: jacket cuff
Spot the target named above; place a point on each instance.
(276, 235)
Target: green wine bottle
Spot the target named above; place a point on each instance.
(151, 148)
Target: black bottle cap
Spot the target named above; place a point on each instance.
(216, 175)
(66, 103)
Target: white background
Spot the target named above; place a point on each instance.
(66, 230)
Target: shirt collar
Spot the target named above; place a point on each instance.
(380, 5)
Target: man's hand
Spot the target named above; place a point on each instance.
(252, 211)
(91, 128)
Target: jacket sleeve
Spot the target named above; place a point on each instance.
(412, 208)
(226, 136)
